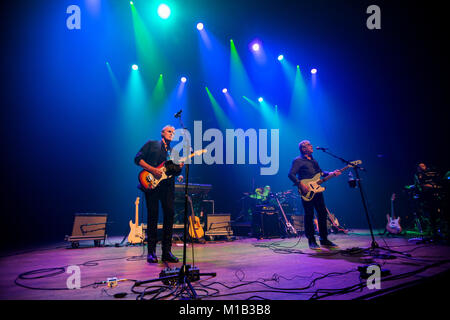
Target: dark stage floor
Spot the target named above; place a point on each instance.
(279, 269)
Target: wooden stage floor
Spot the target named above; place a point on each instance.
(246, 268)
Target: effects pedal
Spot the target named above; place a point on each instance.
(193, 274)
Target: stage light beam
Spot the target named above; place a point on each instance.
(260, 99)
(134, 67)
(183, 79)
(314, 71)
(200, 26)
(224, 90)
(280, 57)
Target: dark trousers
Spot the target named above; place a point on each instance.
(317, 203)
(165, 194)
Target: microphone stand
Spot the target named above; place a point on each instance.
(374, 247)
(186, 272)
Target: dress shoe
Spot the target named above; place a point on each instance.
(328, 243)
(151, 258)
(169, 257)
(313, 244)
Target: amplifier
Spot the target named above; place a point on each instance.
(297, 223)
(266, 224)
(218, 224)
(88, 226)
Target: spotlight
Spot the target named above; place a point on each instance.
(199, 26)
(131, 2)
(224, 90)
(164, 11)
(183, 79)
(280, 57)
(134, 67)
(260, 99)
(314, 71)
(255, 47)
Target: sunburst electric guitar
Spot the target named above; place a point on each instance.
(149, 182)
(136, 230)
(315, 183)
(393, 224)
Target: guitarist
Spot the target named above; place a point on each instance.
(305, 167)
(149, 157)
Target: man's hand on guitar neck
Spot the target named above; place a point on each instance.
(336, 173)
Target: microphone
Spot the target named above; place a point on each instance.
(320, 148)
(178, 114)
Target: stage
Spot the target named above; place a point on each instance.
(246, 269)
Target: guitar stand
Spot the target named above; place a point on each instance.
(186, 274)
(374, 249)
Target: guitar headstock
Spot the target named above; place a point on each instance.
(393, 197)
(355, 163)
(199, 152)
(137, 201)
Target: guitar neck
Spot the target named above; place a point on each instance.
(332, 176)
(137, 213)
(392, 209)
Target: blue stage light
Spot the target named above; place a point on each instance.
(314, 71)
(183, 79)
(224, 90)
(200, 26)
(134, 67)
(260, 99)
(280, 57)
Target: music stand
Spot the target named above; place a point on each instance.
(374, 247)
(185, 273)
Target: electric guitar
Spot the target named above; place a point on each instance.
(290, 230)
(393, 224)
(314, 184)
(136, 231)
(195, 228)
(149, 182)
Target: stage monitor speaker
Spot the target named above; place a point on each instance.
(218, 224)
(88, 226)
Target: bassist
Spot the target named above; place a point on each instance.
(149, 157)
(306, 167)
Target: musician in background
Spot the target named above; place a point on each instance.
(305, 167)
(429, 189)
(149, 157)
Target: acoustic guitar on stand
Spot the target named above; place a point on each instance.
(195, 228)
(393, 224)
(136, 231)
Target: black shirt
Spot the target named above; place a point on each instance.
(303, 168)
(152, 152)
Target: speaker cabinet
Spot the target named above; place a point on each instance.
(88, 226)
(266, 224)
